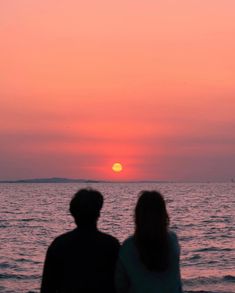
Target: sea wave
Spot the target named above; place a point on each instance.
(19, 277)
(209, 280)
(26, 260)
(203, 291)
(206, 249)
(229, 278)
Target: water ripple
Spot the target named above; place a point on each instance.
(32, 215)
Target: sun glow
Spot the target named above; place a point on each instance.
(117, 167)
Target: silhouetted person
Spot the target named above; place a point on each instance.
(82, 260)
(149, 260)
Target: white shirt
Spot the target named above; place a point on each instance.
(133, 277)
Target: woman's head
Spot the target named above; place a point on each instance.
(151, 226)
(151, 210)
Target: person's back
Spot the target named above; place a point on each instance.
(132, 276)
(149, 260)
(82, 260)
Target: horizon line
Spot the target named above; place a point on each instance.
(79, 180)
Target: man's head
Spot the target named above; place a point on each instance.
(85, 206)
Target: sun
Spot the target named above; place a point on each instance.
(117, 167)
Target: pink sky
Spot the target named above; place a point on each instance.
(150, 84)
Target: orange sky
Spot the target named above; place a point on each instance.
(150, 84)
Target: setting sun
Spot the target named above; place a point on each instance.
(117, 167)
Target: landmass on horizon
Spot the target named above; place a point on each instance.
(68, 180)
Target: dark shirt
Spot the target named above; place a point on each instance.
(81, 261)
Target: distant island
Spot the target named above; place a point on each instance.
(69, 180)
(50, 180)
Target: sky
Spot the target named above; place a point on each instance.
(149, 84)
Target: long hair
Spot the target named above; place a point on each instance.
(151, 226)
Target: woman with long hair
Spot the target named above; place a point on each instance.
(149, 260)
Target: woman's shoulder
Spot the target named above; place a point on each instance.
(128, 254)
(174, 242)
(172, 235)
(128, 241)
(128, 245)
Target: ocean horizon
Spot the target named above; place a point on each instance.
(55, 179)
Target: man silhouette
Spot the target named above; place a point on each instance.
(82, 260)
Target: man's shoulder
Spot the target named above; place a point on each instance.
(74, 235)
(67, 235)
(62, 239)
(109, 239)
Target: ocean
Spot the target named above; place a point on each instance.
(202, 215)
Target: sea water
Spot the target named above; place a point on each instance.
(202, 214)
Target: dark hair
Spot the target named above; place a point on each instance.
(85, 206)
(151, 226)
